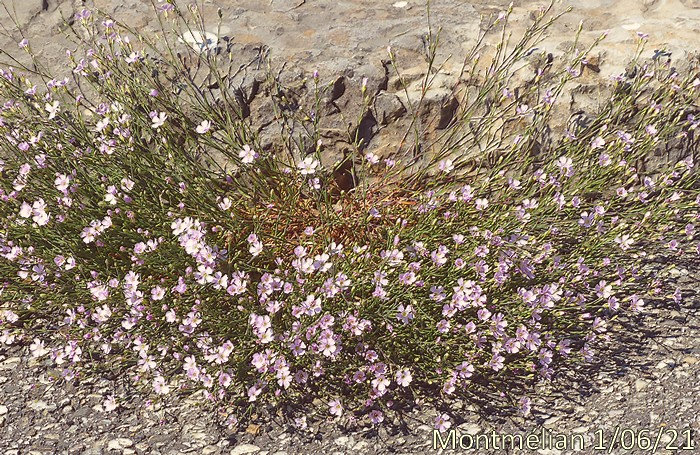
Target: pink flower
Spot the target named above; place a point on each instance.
(597, 143)
(465, 370)
(254, 391)
(446, 166)
(335, 408)
(372, 158)
(224, 380)
(376, 417)
(496, 362)
(443, 326)
(442, 422)
(159, 386)
(525, 406)
(677, 296)
(636, 304)
(403, 377)
(405, 314)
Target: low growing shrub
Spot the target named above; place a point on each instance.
(498, 260)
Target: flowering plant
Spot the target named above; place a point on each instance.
(125, 243)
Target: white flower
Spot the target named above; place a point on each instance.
(116, 106)
(603, 289)
(102, 314)
(127, 184)
(158, 120)
(110, 404)
(6, 337)
(564, 162)
(37, 348)
(170, 316)
(111, 199)
(102, 124)
(25, 211)
(40, 216)
(255, 248)
(598, 142)
(625, 241)
(247, 154)
(308, 165)
(106, 222)
(160, 387)
(52, 109)
(446, 166)
(481, 203)
(62, 181)
(204, 127)
(335, 408)
(225, 203)
(132, 58)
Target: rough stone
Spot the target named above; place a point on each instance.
(119, 443)
(244, 448)
(388, 108)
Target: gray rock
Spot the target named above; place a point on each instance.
(9, 364)
(211, 449)
(242, 449)
(388, 108)
(119, 443)
(40, 405)
(432, 99)
(342, 441)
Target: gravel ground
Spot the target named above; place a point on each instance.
(647, 380)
